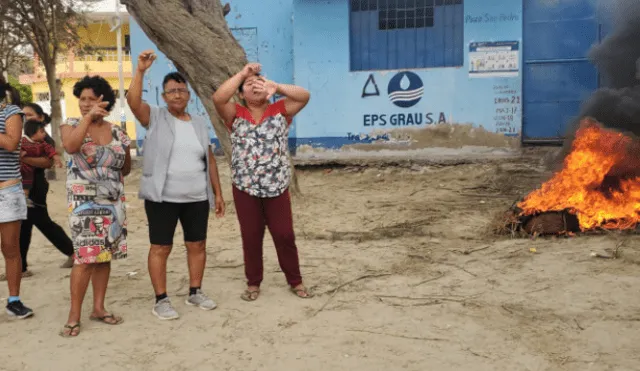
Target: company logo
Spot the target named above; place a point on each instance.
(405, 89)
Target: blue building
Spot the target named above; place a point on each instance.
(374, 67)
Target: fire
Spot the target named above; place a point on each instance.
(599, 181)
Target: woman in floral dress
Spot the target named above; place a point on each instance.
(99, 159)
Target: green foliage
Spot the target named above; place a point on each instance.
(26, 96)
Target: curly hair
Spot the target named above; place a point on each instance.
(99, 86)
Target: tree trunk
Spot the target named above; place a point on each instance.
(194, 35)
(56, 108)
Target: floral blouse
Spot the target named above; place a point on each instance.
(259, 151)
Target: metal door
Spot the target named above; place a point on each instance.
(557, 76)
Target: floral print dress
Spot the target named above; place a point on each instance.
(259, 151)
(96, 199)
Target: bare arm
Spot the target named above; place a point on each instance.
(296, 98)
(215, 183)
(222, 97)
(213, 174)
(57, 160)
(73, 137)
(126, 169)
(39, 162)
(10, 140)
(140, 109)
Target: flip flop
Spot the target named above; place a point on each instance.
(303, 290)
(250, 295)
(71, 329)
(116, 320)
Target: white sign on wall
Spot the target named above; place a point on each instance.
(494, 59)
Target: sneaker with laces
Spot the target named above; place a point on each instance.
(164, 310)
(17, 310)
(200, 300)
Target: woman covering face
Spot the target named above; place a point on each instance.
(261, 171)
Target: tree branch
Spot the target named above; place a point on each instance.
(195, 36)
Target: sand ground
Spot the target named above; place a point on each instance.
(407, 279)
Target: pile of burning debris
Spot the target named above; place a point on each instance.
(598, 185)
(597, 188)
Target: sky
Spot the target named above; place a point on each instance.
(105, 6)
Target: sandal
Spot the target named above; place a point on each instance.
(108, 319)
(250, 295)
(70, 331)
(301, 292)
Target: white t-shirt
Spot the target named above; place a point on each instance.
(187, 174)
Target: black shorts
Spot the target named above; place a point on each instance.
(163, 218)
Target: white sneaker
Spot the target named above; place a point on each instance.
(164, 310)
(201, 301)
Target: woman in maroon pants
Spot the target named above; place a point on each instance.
(261, 171)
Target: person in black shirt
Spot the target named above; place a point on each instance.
(37, 213)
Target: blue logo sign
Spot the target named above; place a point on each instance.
(405, 89)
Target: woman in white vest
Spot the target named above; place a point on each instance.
(179, 183)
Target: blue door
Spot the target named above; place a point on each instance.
(557, 76)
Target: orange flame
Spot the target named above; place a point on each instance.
(581, 187)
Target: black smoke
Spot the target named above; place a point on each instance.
(618, 55)
(617, 104)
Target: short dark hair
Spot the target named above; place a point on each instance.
(46, 119)
(241, 87)
(31, 127)
(173, 76)
(99, 85)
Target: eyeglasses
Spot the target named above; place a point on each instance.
(176, 91)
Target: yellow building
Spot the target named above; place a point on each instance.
(99, 58)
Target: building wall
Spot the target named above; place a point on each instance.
(73, 67)
(355, 107)
(99, 35)
(263, 28)
(309, 42)
(70, 106)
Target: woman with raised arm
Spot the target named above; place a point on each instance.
(99, 161)
(179, 183)
(261, 171)
(13, 205)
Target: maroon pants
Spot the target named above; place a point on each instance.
(254, 214)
